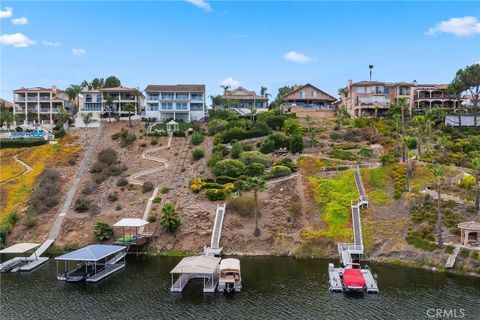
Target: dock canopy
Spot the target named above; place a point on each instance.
(92, 253)
(230, 264)
(197, 265)
(20, 248)
(131, 222)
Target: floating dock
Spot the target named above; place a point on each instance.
(198, 267)
(24, 263)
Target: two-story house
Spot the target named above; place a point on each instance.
(184, 102)
(38, 105)
(243, 98)
(94, 101)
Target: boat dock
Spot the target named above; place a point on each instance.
(24, 263)
(199, 267)
(352, 252)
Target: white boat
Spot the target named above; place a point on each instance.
(230, 278)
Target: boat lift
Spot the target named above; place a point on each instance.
(25, 263)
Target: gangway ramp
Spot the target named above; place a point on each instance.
(215, 249)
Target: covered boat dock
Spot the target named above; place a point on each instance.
(130, 232)
(198, 267)
(25, 263)
(91, 263)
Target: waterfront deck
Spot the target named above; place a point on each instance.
(335, 281)
(107, 271)
(370, 281)
(199, 267)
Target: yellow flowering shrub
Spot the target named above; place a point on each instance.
(229, 186)
(197, 185)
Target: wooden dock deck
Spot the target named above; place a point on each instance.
(109, 269)
(34, 264)
(370, 281)
(335, 279)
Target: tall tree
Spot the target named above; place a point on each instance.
(112, 82)
(438, 172)
(85, 84)
(263, 91)
(420, 130)
(129, 107)
(109, 105)
(97, 83)
(7, 117)
(256, 184)
(72, 92)
(456, 88)
(476, 167)
(87, 119)
(470, 77)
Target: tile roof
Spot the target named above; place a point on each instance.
(248, 94)
(117, 89)
(176, 88)
(327, 96)
(471, 225)
(6, 103)
(37, 89)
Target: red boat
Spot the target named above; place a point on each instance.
(353, 280)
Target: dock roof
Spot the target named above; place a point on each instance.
(20, 248)
(92, 252)
(131, 222)
(197, 265)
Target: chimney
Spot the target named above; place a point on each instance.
(349, 84)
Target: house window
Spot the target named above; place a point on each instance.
(167, 106)
(153, 96)
(152, 106)
(196, 107)
(301, 94)
(182, 106)
(403, 91)
(360, 89)
(88, 98)
(167, 96)
(379, 89)
(182, 96)
(259, 104)
(314, 94)
(386, 91)
(197, 96)
(99, 97)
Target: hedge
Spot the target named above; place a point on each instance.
(280, 171)
(21, 143)
(249, 157)
(228, 167)
(254, 169)
(225, 179)
(216, 194)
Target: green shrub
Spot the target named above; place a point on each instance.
(360, 122)
(228, 167)
(13, 218)
(281, 140)
(342, 154)
(388, 158)
(214, 158)
(398, 174)
(288, 162)
(198, 154)
(21, 143)
(60, 133)
(152, 219)
(267, 146)
(216, 126)
(154, 142)
(112, 197)
(467, 182)
(254, 169)
(122, 182)
(249, 157)
(102, 231)
(147, 186)
(197, 138)
(240, 185)
(225, 179)
(410, 142)
(234, 134)
(365, 152)
(46, 194)
(417, 240)
(464, 253)
(118, 207)
(280, 171)
(157, 200)
(296, 144)
(29, 219)
(335, 136)
(179, 134)
(82, 204)
(164, 190)
(221, 148)
(292, 126)
(275, 121)
(127, 138)
(237, 149)
(169, 220)
(216, 194)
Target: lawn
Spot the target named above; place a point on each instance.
(334, 197)
(377, 182)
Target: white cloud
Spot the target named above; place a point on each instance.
(20, 21)
(6, 12)
(17, 40)
(230, 82)
(201, 4)
(298, 57)
(462, 27)
(78, 52)
(50, 43)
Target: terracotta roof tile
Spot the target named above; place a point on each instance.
(176, 88)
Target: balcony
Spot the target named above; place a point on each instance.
(44, 98)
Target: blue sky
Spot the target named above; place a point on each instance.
(250, 43)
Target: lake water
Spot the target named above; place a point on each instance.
(273, 288)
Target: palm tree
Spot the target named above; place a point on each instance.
(108, 105)
(419, 123)
(253, 111)
(87, 119)
(263, 91)
(476, 167)
(257, 184)
(8, 118)
(72, 92)
(130, 108)
(438, 172)
(169, 220)
(225, 90)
